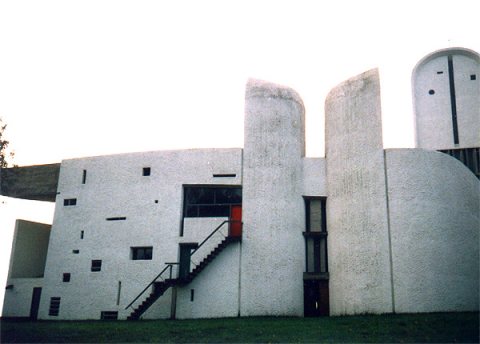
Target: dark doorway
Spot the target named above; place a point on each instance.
(37, 292)
(316, 298)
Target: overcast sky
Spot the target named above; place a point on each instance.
(83, 78)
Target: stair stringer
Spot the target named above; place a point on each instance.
(137, 314)
(215, 289)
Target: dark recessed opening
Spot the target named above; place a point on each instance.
(146, 171)
(473, 77)
(96, 265)
(156, 201)
(431, 92)
(109, 315)
(84, 177)
(75, 251)
(224, 175)
(81, 234)
(66, 277)
(192, 294)
(69, 202)
(440, 72)
(120, 218)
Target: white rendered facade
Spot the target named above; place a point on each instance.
(403, 224)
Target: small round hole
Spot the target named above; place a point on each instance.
(431, 92)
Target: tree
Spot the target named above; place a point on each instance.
(3, 146)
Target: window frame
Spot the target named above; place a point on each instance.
(147, 252)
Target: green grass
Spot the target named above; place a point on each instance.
(406, 328)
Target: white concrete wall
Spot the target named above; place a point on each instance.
(18, 300)
(433, 112)
(435, 223)
(216, 288)
(358, 245)
(27, 265)
(29, 249)
(314, 177)
(273, 248)
(115, 187)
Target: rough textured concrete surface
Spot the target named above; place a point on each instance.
(435, 224)
(358, 244)
(30, 182)
(152, 207)
(273, 248)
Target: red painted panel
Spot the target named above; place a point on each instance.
(236, 221)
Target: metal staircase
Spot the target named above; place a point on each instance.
(158, 288)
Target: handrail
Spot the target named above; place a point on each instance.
(169, 266)
(209, 236)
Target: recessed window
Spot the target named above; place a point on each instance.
(473, 77)
(75, 251)
(66, 277)
(207, 201)
(54, 308)
(84, 177)
(109, 315)
(225, 175)
(431, 92)
(96, 265)
(440, 72)
(192, 295)
(141, 253)
(81, 234)
(69, 202)
(120, 218)
(146, 171)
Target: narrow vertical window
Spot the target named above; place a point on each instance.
(84, 177)
(119, 290)
(54, 308)
(81, 234)
(192, 295)
(146, 171)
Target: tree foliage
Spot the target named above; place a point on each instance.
(4, 156)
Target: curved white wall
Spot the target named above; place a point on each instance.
(273, 248)
(434, 220)
(432, 99)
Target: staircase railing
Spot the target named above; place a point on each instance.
(168, 267)
(211, 235)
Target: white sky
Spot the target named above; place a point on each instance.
(82, 78)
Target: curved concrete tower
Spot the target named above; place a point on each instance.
(273, 247)
(446, 93)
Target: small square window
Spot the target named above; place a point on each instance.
(473, 77)
(96, 265)
(66, 277)
(69, 202)
(141, 253)
(146, 171)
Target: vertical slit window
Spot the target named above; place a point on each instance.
(84, 177)
(316, 235)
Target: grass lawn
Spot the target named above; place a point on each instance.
(406, 328)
